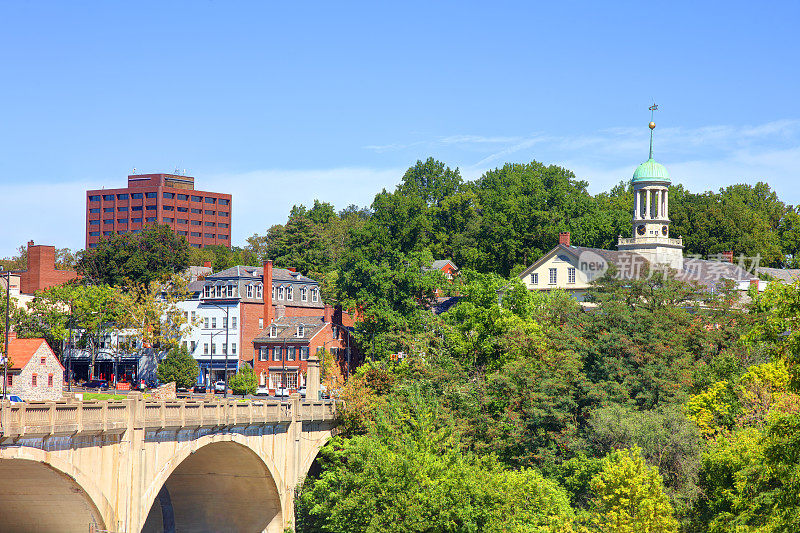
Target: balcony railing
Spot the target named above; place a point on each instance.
(627, 241)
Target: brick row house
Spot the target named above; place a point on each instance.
(230, 309)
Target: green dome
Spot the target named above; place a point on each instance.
(650, 171)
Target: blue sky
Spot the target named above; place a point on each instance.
(281, 103)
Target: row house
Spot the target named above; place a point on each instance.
(284, 346)
(227, 310)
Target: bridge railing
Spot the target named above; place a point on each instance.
(37, 419)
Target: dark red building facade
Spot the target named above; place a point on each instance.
(202, 217)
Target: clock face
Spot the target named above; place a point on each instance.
(640, 229)
(664, 230)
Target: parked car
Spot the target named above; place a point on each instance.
(281, 392)
(200, 389)
(99, 384)
(262, 391)
(219, 386)
(13, 398)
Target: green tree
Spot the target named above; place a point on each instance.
(178, 366)
(629, 497)
(244, 381)
(136, 258)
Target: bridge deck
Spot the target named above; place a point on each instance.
(36, 419)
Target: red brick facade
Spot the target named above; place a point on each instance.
(42, 273)
(203, 218)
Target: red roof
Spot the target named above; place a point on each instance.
(21, 351)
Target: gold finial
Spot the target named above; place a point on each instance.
(653, 108)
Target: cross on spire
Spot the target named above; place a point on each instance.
(653, 108)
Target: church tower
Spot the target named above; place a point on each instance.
(650, 233)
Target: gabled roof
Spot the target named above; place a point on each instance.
(440, 264)
(21, 351)
(786, 275)
(703, 271)
(287, 329)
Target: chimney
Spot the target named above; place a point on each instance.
(266, 281)
(727, 257)
(754, 284)
(328, 314)
(563, 238)
(291, 269)
(207, 264)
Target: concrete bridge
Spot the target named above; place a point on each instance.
(136, 465)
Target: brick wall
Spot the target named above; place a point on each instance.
(42, 272)
(22, 384)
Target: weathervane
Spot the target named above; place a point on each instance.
(653, 108)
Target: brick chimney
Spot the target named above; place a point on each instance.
(207, 264)
(41, 268)
(291, 269)
(754, 284)
(563, 238)
(328, 314)
(727, 257)
(266, 281)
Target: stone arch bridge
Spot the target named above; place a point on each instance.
(136, 465)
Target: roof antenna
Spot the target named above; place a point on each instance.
(653, 108)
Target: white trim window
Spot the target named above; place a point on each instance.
(280, 293)
(301, 330)
(233, 322)
(304, 353)
(276, 353)
(207, 291)
(259, 291)
(249, 290)
(290, 293)
(273, 331)
(314, 294)
(263, 353)
(571, 275)
(535, 278)
(303, 294)
(291, 353)
(231, 291)
(553, 276)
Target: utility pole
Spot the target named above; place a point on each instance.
(6, 359)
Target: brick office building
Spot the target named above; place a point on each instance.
(203, 218)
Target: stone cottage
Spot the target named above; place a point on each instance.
(35, 372)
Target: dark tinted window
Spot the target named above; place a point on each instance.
(210, 200)
(122, 196)
(108, 197)
(137, 196)
(150, 194)
(197, 198)
(183, 197)
(169, 195)
(94, 198)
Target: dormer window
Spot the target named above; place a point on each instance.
(314, 294)
(249, 290)
(207, 291)
(231, 291)
(303, 294)
(259, 291)
(300, 330)
(290, 293)
(280, 293)
(273, 292)
(273, 331)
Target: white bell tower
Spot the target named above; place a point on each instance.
(650, 232)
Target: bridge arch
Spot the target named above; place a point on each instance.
(215, 483)
(73, 502)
